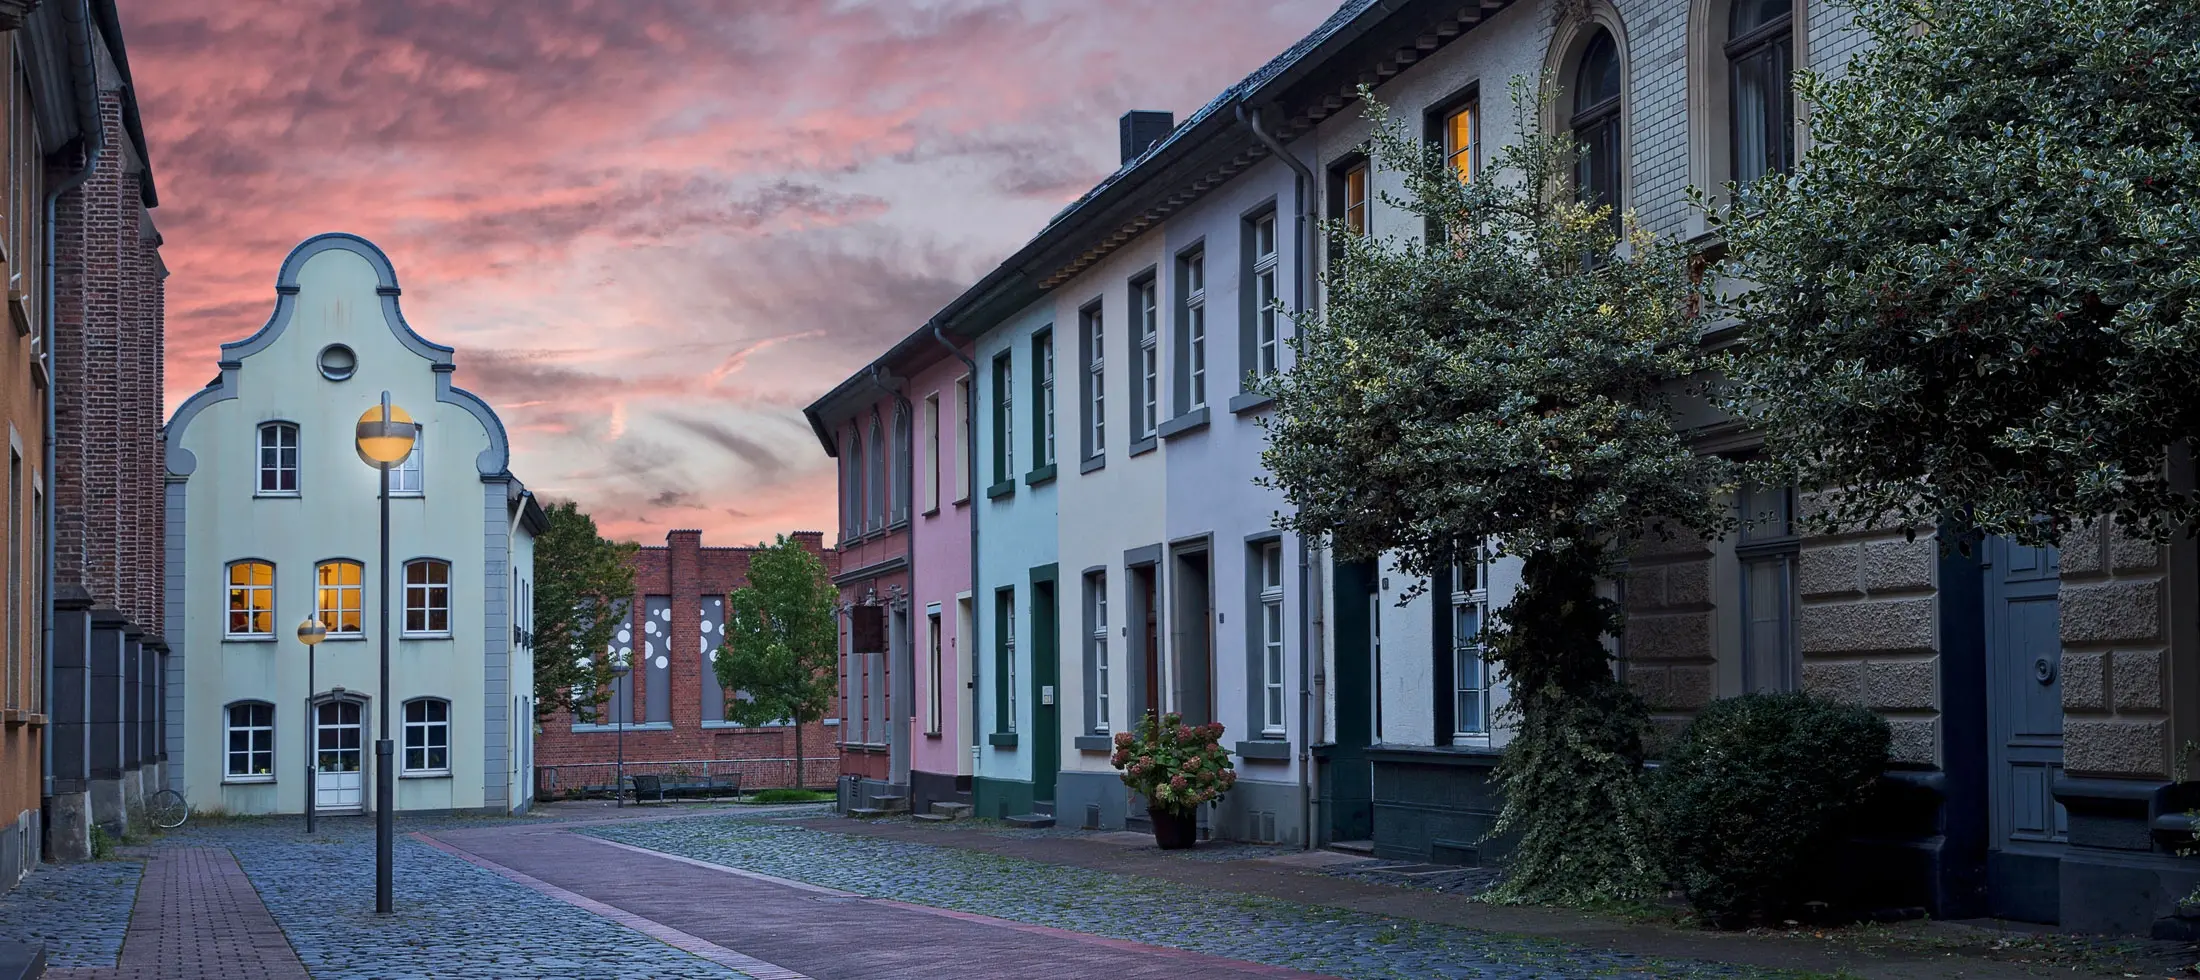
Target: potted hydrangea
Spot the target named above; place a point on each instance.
(1178, 768)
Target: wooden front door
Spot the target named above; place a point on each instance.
(2024, 715)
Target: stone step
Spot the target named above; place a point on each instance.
(932, 817)
(890, 802)
(952, 811)
(867, 812)
(1044, 808)
(1366, 847)
(1031, 820)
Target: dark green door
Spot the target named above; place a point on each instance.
(1348, 783)
(1046, 674)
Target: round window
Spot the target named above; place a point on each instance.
(338, 362)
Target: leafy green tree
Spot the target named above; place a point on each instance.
(1974, 297)
(1504, 385)
(782, 642)
(584, 585)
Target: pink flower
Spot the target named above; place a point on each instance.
(1122, 738)
(1178, 783)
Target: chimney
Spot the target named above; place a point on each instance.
(1142, 128)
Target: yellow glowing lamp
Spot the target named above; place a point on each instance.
(386, 435)
(311, 632)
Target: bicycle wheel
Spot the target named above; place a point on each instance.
(167, 809)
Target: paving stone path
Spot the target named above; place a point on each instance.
(197, 918)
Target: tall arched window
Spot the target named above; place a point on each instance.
(251, 599)
(901, 463)
(876, 489)
(427, 597)
(278, 459)
(1596, 125)
(250, 754)
(339, 596)
(855, 481)
(1760, 59)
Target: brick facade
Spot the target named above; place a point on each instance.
(683, 576)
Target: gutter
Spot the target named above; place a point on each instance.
(93, 136)
(901, 672)
(1309, 616)
(970, 453)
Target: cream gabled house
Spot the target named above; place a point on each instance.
(272, 517)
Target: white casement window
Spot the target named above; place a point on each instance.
(1271, 638)
(1354, 201)
(1195, 329)
(1096, 384)
(932, 677)
(1004, 619)
(251, 599)
(250, 754)
(339, 596)
(932, 452)
(966, 431)
(427, 736)
(1004, 418)
(1265, 333)
(1097, 585)
(1008, 640)
(1149, 361)
(1045, 352)
(278, 459)
(427, 597)
(405, 480)
(1470, 600)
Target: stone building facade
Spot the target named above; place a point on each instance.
(672, 708)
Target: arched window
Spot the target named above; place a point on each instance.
(427, 736)
(249, 738)
(427, 597)
(278, 459)
(876, 492)
(251, 599)
(900, 475)
(855, 481)
(339, 588)
(1596, 125)
(1760, 59)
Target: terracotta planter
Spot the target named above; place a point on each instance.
(1174, 831)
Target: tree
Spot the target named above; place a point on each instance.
(1974, 296)
(584, 585)
(782, 642)
(1502, 385)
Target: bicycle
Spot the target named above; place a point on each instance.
(167, 809)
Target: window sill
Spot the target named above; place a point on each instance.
(407, 495)
(960, 501)
(1094, 743)
(16, 717)
(1265, 750)
(345, 638)
(1250, 402)
(1002, 489)
(1001, 740)
(735, 726)
(930, 512)
(426, 774)
(1144, 446)
(248, 780)
(248, 638)
(1039, 477)
(934, 736)
(276, 495)
(1191, 421)
(632, 726)
(445, 635)
(1095, 463)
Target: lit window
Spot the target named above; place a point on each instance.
(427, 735)
(251, 599)
(1355, 199)
(428, 597)
(278, 459)
(1460, 147)
(251, 750)
(338, 587)
(1271, 638)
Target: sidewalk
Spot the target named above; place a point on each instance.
(197, 918)
(1287, 874)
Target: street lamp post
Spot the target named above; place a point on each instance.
(385, 437)
(620, 672)
(311, 633)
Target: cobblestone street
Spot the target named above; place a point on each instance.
(774, 894)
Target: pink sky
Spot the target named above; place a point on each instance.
(653, 229)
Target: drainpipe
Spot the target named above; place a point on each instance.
(1309, 617)
(94, 139)
(902, 672)
(970, 473)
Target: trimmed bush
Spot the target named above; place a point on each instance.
(1756, 794)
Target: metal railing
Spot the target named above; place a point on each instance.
(596, 778)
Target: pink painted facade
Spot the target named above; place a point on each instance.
(940, 726)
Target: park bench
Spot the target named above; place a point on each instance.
(652, 787)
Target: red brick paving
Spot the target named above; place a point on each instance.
(819, 933)
(198, 918)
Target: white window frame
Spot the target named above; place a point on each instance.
(407, 478)
(1008, 646)
(966, 433)
(1102, 723)
(356, 594)
(255, 733)
(1195, 329)
(1096, 378)
(422, 596)
(1046, 398)
(1149, 359)
(1267, 355)
(1469, 672)
(1004, 408)
(1272, 639)
(265, 470)
(933, 677)
(424, 730)
(259, 601)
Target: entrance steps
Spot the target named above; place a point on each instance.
(1365, 848)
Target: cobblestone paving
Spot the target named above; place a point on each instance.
(1407, 874)
(1325, 940)
(453, 919)
(79, 911)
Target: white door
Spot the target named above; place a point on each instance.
(337, 738)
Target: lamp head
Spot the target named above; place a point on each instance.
(385, 435)
(311, 631)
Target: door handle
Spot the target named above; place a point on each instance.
(2043, 671)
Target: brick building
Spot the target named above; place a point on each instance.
(671, 706)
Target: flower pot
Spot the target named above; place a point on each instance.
(1174, 831)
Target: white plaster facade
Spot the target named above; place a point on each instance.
(469, 513)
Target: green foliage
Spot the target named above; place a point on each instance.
(1177, 767)
(584, 585)
(1974, 298)
(782, 642)
(1758, 791)
(103, 844)
(1506, 385)
(787, 796)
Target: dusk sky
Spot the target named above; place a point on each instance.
(653, 230)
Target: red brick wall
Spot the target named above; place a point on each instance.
(686, 571)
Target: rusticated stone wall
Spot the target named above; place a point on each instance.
(2115, 637)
